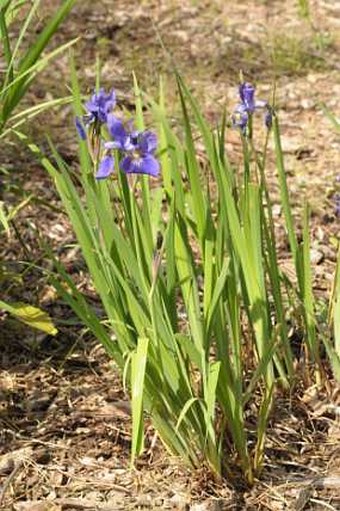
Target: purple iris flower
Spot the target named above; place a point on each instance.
(99, 106)
(141, 159)
(137, 150)
(248, 106)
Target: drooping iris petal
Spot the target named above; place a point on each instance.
(143, 165)
(240, 117)
(106, 167)
(126, 164)
(149, 165)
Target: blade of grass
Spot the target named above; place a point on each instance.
(6, 45)
(138, 367)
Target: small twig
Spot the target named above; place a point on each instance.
(64, 504)
(100, 483)
(21, 240)
(323, 503)
(9, 480)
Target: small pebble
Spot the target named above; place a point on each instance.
(316, 256)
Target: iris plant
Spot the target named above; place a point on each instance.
(197, 366)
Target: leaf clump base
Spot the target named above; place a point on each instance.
(68, 446)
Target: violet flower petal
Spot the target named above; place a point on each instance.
(148, 142)
(126, 164)
(149, 165)
(144, 165)
(240, 117)
(106, 167)
(247, 95)
(80, 128)
(116, 127)
(100, 105)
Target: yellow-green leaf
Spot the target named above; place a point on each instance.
(32, 316)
